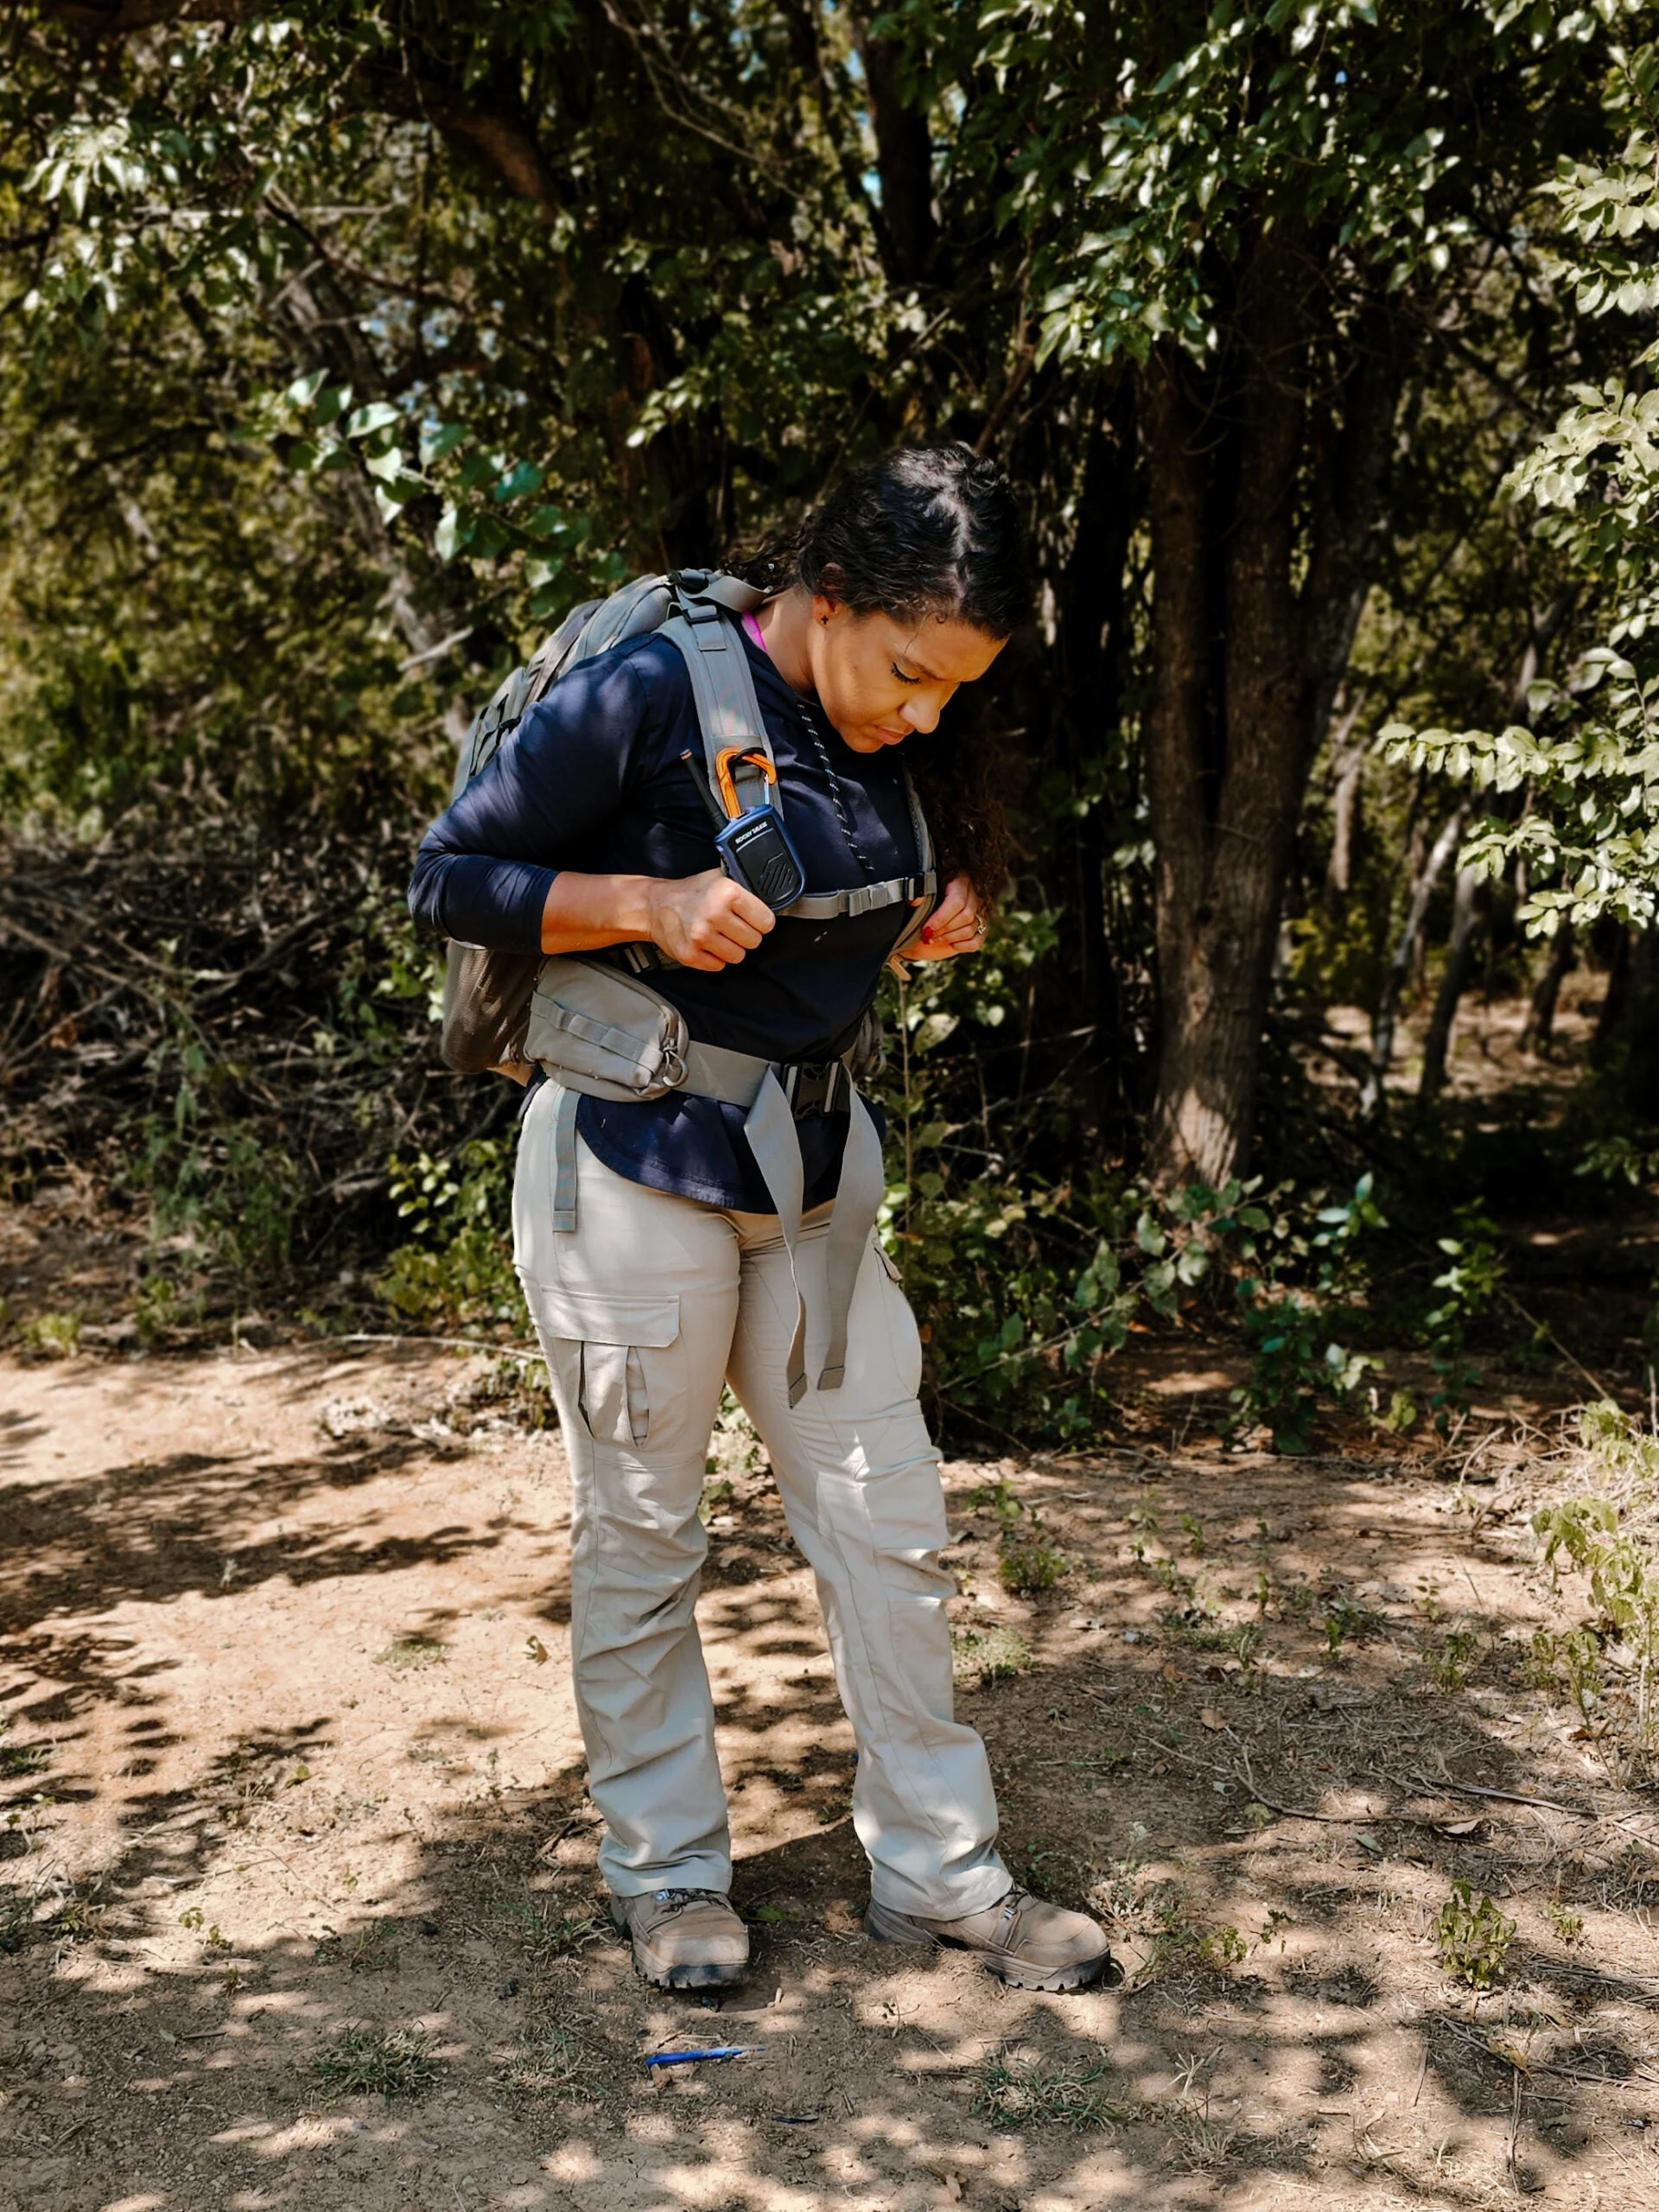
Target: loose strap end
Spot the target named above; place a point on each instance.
(564, 1162)
(858, 1200)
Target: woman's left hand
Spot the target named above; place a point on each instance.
(956, 924)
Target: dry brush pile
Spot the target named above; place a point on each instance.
(214, 1050)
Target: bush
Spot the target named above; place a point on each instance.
(456, 1272)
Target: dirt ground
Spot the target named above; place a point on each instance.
(290, 1765)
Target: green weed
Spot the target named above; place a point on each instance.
(1568, 1925)
(409, 1653)
(78, 1919)
(1294, 1370)
(1448, 1660)
(1344, 1620)
(1295, 1367)
(987, 1655)
(53, 1335)
(1027, 1561)
(1011, 1330)
(1223, 1949)
(162, 1306)
(1473, 1937)
(1470, 1286)
(716, 1496)
(390, 2062)
(369, 1949)
(1030, 1562)
(1017, 2093)
(1402, 1413)
(1596, 1537)
(1144, 1524)
(544, 1930)
(1619, 1445)
(550, 2063)
(221, 1195)
(1242, 1639)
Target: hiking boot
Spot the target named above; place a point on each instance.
(1019, 1939)
(683, 1939)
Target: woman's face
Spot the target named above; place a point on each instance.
(881, 681)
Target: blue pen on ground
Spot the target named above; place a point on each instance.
(717, 2050)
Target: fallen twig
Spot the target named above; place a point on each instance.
(1299, 1812)
(1504, 1797)
(1576, 1366)
(1537, 2065)
(1643, 1991)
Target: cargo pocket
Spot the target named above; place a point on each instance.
(606, 1341)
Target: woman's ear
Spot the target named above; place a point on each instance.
(826, 609)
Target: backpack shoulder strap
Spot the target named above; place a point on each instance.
(703, 625)
(924, 863)
(637, 608)
(705, 610)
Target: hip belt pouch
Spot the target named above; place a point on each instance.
(602, 1032)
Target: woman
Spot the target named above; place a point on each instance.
(587, 831)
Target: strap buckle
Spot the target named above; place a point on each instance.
(822, 1088)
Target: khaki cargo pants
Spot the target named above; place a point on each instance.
(644, 1311)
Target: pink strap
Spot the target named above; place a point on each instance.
(755, 632)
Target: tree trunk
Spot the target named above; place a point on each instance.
(1469, 912)
(1540, 1029)
(1467, 919)
(1626, 1047)
(1247, 661)
(1405, 952)
(1086, 672)
(1348, 782)
(904, 161)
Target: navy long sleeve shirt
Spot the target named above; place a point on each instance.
(593, 779)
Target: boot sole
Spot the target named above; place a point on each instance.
(707, 1975)
(887, 1927)
(701, 1974)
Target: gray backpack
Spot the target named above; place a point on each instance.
(488, 993)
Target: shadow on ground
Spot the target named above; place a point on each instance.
(326, 1813)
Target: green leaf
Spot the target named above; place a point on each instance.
(376, 415)
(523, 478)
(437, 444)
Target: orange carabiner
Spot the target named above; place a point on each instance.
(723, 775)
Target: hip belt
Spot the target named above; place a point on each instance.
(594, 1037)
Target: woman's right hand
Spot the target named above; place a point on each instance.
(705, 921)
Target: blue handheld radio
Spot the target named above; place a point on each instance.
(752, 843)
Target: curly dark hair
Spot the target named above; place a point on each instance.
(927, 531)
